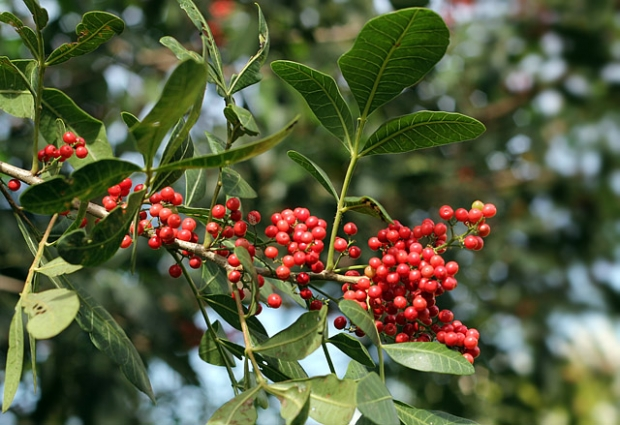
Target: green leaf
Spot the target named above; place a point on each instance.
(352, 347)
(234, 185)
(28, 36)
(95, 29)
(294, 400)
(210, 350)
(322, 96)
(14, 358)
(183, 150)
(129, 119)
(375, 401)
(355, 371)
(216, 144)
(412, 416)
(367, 205)
(195, 186)
(234, 155)
(56, 194)
(298, 340)
(393, 52)
(360, 318)
(57, 105)
(58, 266)
(292, 369)
(39, 15)
(421, 130)
(225, 306)
(429, 357)
(242, 119)
(92, 250)
(238, 411)
(50, 312)
(184, 87)
(332, 401)
(214, 279)
(15, 95)
(250, 74)
(315, 171)
(179, 50)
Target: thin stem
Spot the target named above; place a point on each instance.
(326, 352)
(38, 108)
(247, 340)
(381, 364)
(38, 256)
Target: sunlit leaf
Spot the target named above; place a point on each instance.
(195, 186)
(421, 130)
(360, 318)
(50, 312)
(355, 371)
(179, 50)
(14, 358)
(315, 171)
(352, 347)
(412, 416)
(95, 29)
(238, 411)
(322, 95)
(375, 401)
(332, 401)
(429, 357)
(368, 206)
(15, 96)
(392, 52)
(58, 266)
(294, 400)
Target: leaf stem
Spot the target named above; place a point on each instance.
(37, 258)
(326, 352)
(247, 340)
(38, 108)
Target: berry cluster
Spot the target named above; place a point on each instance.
(401, 285)
(73, 145)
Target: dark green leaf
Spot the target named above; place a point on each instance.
(57, 105)
(28, 36)
(234, 185)
(298, 340)
(234, 155)
(39, 15)
(332, 401)
(129, 119)
(294, 400)
(183, 150)
(352, 347)
(55, 195)
(250, 74)
(360, 318)
(429, 357)
(15, 90)
(92, 250)
(179, 50)
(393, 52)
(375, 401)
(211, 350)
(367, 205)
(242, 119)
(216, 144)
(214, 279)
(322, 95)
(225, 306)
(412, 416)
(238, 411)
(315, 171)
(14, 358)
(195, 186)
(421, 130)
(95, 29)
(185, 86)
(50, 312)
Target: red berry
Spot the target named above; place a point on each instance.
(69, 137)
(155, 242)
(234, 276)
(66, 151)
(175, 270)
(233, 204)
(14, 184)
(355, 252)
(177, 199)
(316, 305)
(79, 141)
(302, 278)
(126, 241)
(274, 300)
(489, 210)
(401, 337)
(253, 218)
(81, 152)
(350, 229)
(340, 244)
(189, 224)
(167, 194)
(283, 272)
(173, 220)
(271, 252)
(470, 242)
(461, 214)
(340, 322)
(446, 212)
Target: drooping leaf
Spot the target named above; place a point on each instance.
(58, 266)
(238, 411)
(421, 130)
(15, 95)
(332, 401)
(234, 155)
(28, 36)
(105, 238)
(57, 105)
(298, 340)
(429, 357)
(50, 312)
(95, 29)
(242, 119)
(210, 349)
(55, 195)
(360, 318)
(392, 52)
(294, 400)
(184, 150)
(412, 416)
(315, 171)
(375, 401)
(179, 50)
(250, 74)
(39, 14)
(235, 185)
(352, 347)
(14, 358)
(367, 205)
(184, 87)
(322, 96)
(225, 306)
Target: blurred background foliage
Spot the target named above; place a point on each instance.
(544, 77)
